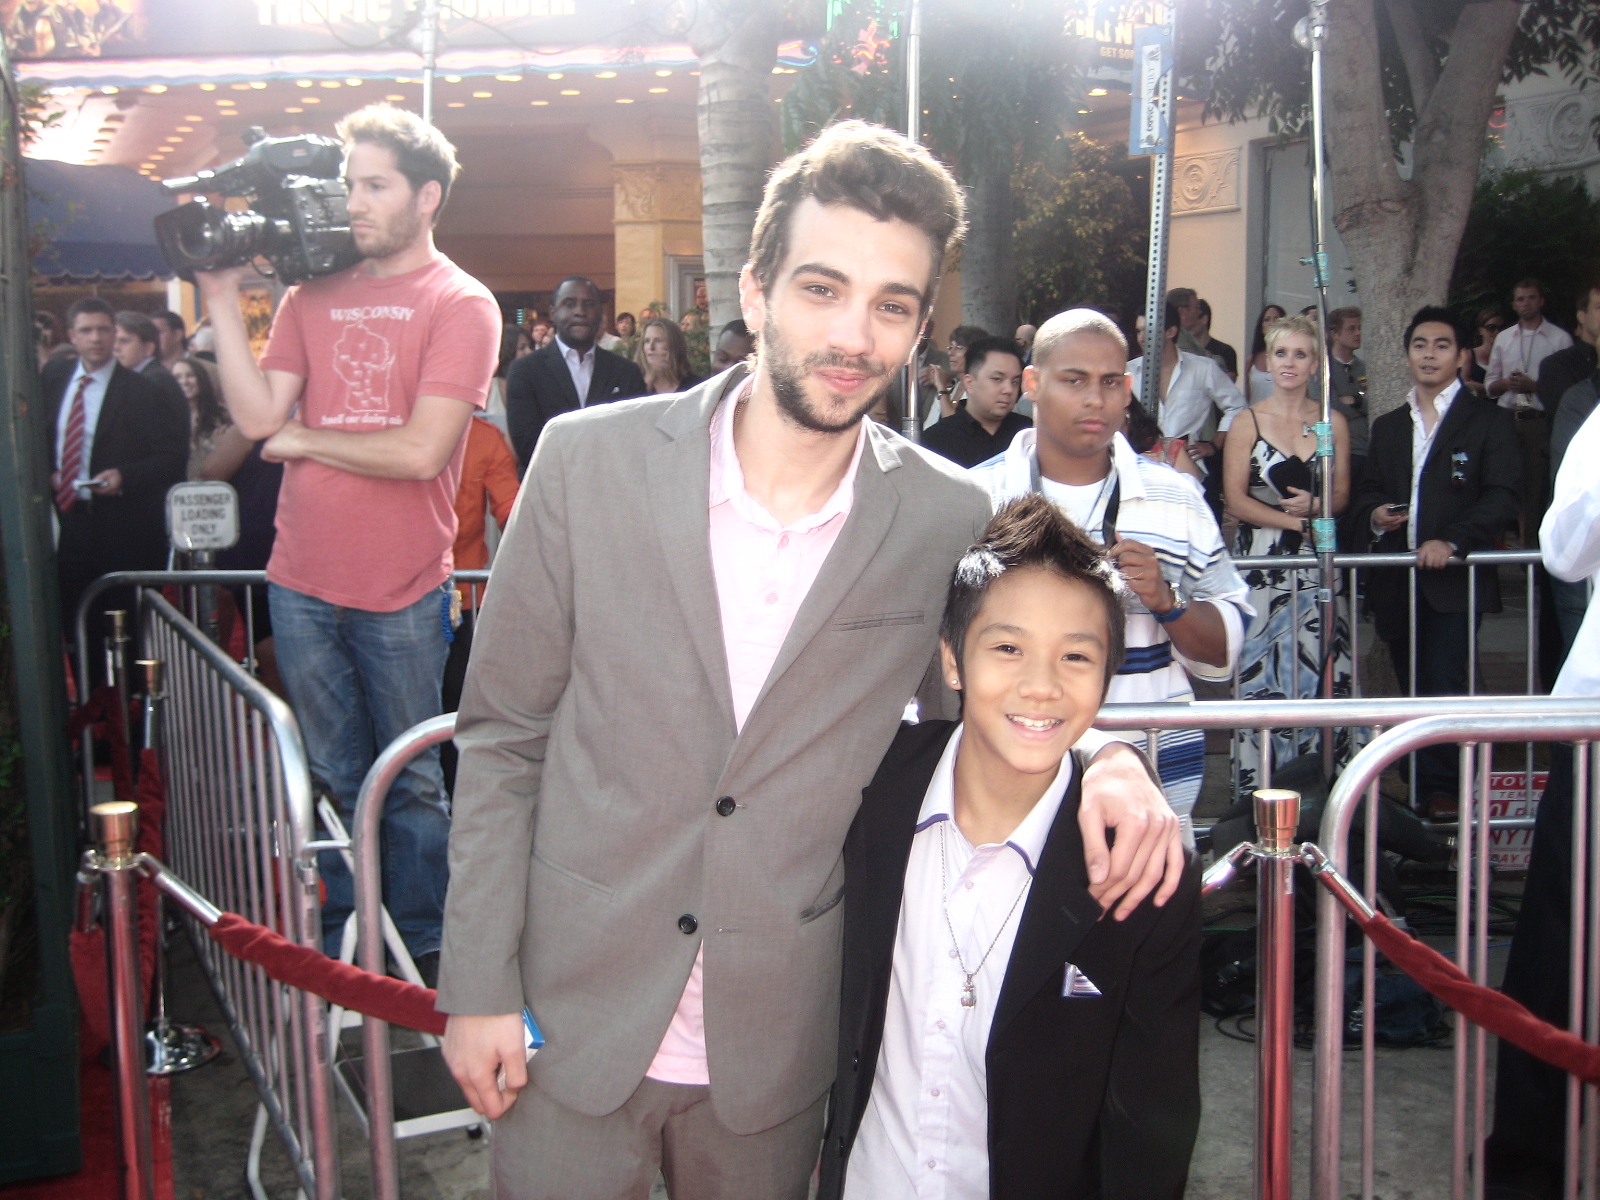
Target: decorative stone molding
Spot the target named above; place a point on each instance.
(1553, 132)
(656, 191)
(1205, 183)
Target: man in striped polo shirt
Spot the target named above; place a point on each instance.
(1189, 607)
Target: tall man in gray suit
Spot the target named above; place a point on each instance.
(708, 613)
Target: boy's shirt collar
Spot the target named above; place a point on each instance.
(1029, 837)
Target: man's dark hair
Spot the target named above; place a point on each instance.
(1170, 318)
(1339, 316)
(737, 327)
(89, 304)
(420, 151)
(173, 322)
(1436, 315)
(583, 279)
(1182, 296)
(631, 317)
(141, 326)
(869, 168)
(1031, 531)
(1530, 282)
(968, 335)
(983, 347)
(510, 335)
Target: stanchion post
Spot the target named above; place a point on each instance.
(117, 667)
(1277, 813)
(116, 828)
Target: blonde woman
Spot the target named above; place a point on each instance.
(663, 356)
(1271, 483)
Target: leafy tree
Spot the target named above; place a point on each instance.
(1083, 229)
(1524, 224)
(1418, 75)
(998, 79)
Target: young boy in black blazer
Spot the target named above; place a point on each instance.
(998, 1037)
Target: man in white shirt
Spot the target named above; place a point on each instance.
(1526, 1151)
(1512, 379)
(1191, 387)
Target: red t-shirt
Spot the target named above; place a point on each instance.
(367, 347)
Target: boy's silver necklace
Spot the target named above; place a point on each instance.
(969, 991)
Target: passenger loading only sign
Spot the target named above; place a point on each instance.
(202, 516)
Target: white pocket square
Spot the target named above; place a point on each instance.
(1076, 983)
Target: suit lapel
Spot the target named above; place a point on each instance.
(1059, 913)
(600, 381)
(677, 476)
(872, 512)
(1449, 425)
(105, 439)
(889, 818)
(557, 365)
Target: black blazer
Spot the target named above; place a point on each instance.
(1088, 1097)
(1470, 491)
(142, 431)
(539, 387)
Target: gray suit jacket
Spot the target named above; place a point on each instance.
(589, 859)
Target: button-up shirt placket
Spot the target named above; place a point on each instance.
(1421, 445)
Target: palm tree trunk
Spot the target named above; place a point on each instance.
(736, 42)
(988, 265)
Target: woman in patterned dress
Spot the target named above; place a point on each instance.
(1271, 484)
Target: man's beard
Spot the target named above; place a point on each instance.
(400, 231)
(788, 377)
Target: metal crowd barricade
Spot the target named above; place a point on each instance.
(1477, 722)
(239, 826)
(1552, 720)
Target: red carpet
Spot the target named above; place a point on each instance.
(101, 1177)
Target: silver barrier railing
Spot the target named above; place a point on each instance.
(366, 844)
(1563, 719)
(240, 826)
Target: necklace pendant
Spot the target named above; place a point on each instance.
(969, 996)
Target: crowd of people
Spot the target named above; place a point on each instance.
(708, 611)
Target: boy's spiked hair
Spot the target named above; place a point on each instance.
(1031, 531)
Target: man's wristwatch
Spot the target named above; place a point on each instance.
(1172, 614)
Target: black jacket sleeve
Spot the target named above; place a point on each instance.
(633, 381)
(1499, 491)
(1371, 490)
(1151, 1111)
(158, 453)
(524, 418)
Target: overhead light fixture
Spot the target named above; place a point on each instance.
(657, 91)
(305, 83)
(694, 72)
(156, 88)
(569, 92)
(310, 99)
(111, 91)
(172, 140)
(555, 75)
(331, 83)
(225, 103)
(606, 75)
(394, 99)
(259, 85)
(509, 78)
(777, 70)
(204, 87)
(240, 87)
(294, 108)
(456, 104)
(194, 118)
(185, 129)
(353, 82)
(540, 103)
(483, 95)
(452, 79)
(663, 72)
(1083, 112)
(1097, 91)
(624, 99)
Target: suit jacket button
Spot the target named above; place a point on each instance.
(725, 806)
(687, 923)
(855, 1061)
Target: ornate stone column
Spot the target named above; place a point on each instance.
(657, 214)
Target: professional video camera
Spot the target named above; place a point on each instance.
(297, 219)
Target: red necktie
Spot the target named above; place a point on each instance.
(72, 461)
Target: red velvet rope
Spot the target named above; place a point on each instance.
(391, 1000)
(1494, 1011)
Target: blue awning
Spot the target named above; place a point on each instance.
(94, 223)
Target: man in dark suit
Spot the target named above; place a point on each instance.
(123, 435)
(1467, 491)
(571, 372)
(138, 348)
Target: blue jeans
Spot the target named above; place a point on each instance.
(357, 680)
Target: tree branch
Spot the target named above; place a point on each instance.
(1421, 71)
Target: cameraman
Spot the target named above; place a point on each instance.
(364, 394)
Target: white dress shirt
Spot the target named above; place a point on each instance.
(1570, 541)
(1196, 385)
(925, 1132)
(1421, 443)
(93, 397)
(1519, 349)
(580, 365)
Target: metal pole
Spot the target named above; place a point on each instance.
(1155, 300)
(116, 828)
(1324, 539)
(117, 669)
(1277, 813)
(429, 30)
(911, 418)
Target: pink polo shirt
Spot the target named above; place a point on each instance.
(763, 572)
